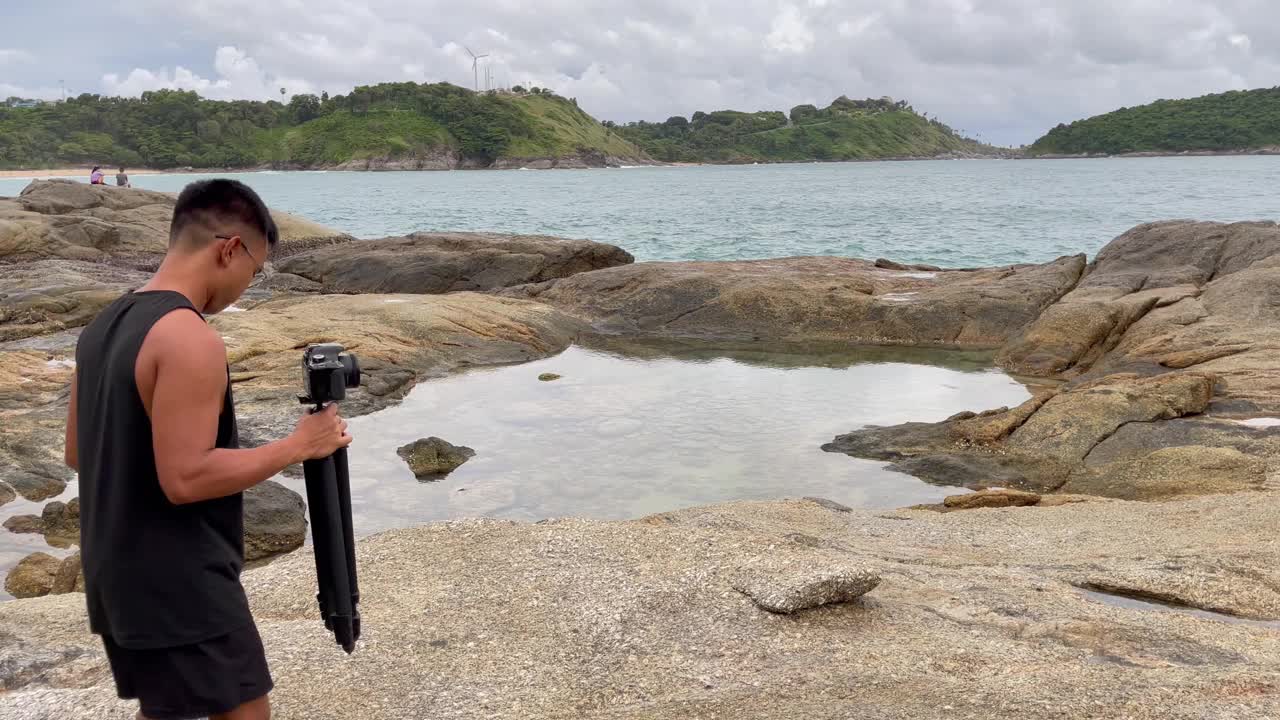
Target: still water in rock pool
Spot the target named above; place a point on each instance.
(636, 428)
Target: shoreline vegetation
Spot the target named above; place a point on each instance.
(1240, 121)
(411, 126)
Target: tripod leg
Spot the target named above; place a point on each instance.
(337, 582)
(314, 472)
(348, 533)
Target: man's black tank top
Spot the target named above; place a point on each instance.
(155, 574)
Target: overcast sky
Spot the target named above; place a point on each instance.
(1007, 69)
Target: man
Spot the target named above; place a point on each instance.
(152, 431)
(122, 180)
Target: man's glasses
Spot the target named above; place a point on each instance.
(258, 268)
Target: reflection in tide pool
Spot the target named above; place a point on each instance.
(637, 429)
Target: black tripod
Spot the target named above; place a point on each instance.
(329, 501)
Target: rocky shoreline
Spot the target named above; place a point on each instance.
(1147, 459)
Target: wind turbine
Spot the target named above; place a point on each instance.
(475, 65)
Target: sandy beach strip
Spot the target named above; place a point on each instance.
(72, 172)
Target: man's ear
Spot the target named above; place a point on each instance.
(226, 248)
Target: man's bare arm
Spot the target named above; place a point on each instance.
(70, 450)
(190, 384)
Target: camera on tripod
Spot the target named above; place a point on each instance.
(327, 373)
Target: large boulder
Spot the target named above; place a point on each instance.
(1045, 444)
(60, 522)
(70, 576)
(447, 262)
(275, 521)
(76, 221)
(812, 298)
(1168, 342)
(1171, 296)
(33, 576)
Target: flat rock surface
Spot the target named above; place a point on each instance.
(978, 616)
(812, 298)
(448, 262)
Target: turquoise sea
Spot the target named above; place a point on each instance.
(953, 213)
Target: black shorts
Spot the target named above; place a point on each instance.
(192, 681)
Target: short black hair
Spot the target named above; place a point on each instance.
(220, 199)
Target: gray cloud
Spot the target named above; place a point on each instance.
(1008, 69)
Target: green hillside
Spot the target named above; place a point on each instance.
(167, 128)
(1238, 120)
(845, 130)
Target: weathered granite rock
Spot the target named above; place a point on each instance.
(1174, 472)
(811, 298)
(992, 498)
(433, 458)
(1070, 424)
(33, 390)
(548, 377)
(7, 493)
(803, 581)
(1171, 296)
(447, 262)
(61, 521)
(33, 576)
(24, 524)
(46, 296)
(891, 265)
(978, 617)
(70, 577)
(76, 221)
(1042, 444)
(400, 340)
(275, 521)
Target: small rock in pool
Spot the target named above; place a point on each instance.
(548, 377)
(24, 524)
(432, 458)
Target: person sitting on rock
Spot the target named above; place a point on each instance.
(96, 177)
(122, 180)
(151, 428)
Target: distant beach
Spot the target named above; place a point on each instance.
(74, 172)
